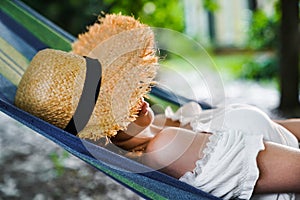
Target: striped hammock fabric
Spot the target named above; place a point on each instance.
(23, 33)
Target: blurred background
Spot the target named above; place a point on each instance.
(253, 50)
(243, 37)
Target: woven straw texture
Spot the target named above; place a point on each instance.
(52, 85)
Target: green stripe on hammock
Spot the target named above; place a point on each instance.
(150, 194)
(36, 27)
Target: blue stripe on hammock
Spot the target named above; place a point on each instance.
(7, 90)
(19, 37)
(176, 99)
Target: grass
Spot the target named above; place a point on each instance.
(182, 53)
(228, 65)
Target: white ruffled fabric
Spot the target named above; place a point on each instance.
(228, 168)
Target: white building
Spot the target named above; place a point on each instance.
(231, 20)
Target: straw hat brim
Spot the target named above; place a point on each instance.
(126, 49)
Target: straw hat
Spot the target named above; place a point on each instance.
(53, 85)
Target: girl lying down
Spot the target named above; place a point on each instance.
(231, 152)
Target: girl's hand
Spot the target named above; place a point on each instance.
(135, 138)
(143, 119)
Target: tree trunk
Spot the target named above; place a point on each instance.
(252, 4)
(211, 27)
(289, 57)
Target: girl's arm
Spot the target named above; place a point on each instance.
(279, 168)
(293, 125)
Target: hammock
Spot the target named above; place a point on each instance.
(23, 33)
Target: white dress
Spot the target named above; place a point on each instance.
(229, 168)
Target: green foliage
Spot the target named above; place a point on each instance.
(229, 65)
(263, 30)
(58, 161)
(263, 34)
(211, 5)
(263, 67)
(75, 15)
(72, 15)
(159, 13)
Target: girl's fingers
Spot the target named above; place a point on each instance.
(144, 109)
